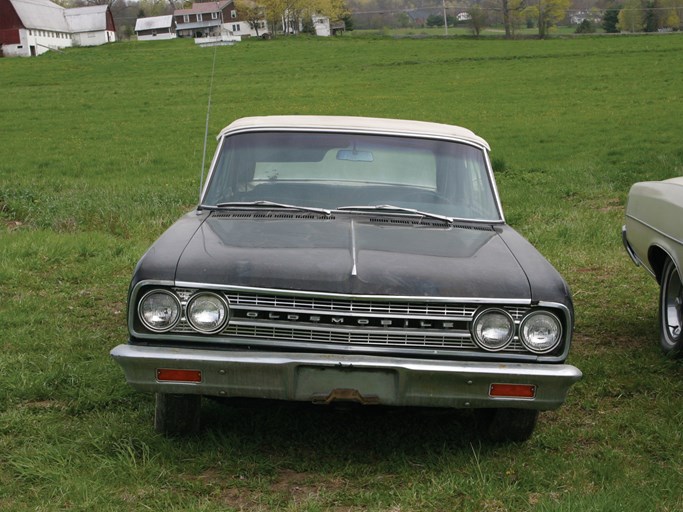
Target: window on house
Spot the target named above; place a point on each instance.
(233, 14)
(199, 17)
(214, 15)
(236, 28)
(186, 18)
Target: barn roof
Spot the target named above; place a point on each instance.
(41, 14)
(46, 15)
(154, 23)
(87, 19)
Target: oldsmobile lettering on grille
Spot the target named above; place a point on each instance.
(348, 321)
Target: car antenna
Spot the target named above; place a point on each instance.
(206, 129)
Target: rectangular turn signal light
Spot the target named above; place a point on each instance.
(175, 375)
(512, 391)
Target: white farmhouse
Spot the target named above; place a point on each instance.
(216, 20)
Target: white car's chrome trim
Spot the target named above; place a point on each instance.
(656, 230)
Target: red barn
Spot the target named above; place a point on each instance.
(32, 27)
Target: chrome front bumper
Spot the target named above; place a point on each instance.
(324, 378)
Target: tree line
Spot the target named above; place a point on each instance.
(288, 16)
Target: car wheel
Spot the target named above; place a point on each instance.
(670, 315)
(177, 414)
(508, 425)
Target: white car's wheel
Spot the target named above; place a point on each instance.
(670, 315)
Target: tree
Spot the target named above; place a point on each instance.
(610, 20)
(348, 22)
(667, 14)
(517, 16)
(252, 13)
(478, 19)
(274, 12)
(153, 7)
(403, 20)
(513, 15)
(290, 14)
(585, 27)
(650, 19)
(548, 13)
(434, 20)
(631, 17)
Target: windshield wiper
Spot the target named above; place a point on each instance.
(270, 204)
(397, 209)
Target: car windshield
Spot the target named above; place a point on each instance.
(337, 170)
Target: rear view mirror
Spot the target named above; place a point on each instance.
(354, 155)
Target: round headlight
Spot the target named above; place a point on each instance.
(207, 312)
(541, 332)
(159, 310)
(493, 329)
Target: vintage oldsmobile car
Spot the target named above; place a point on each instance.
(653, 237)
(349, 259)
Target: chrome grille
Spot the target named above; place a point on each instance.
(350, 306)
(272, 320)
(351, 338)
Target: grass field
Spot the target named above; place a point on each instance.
(101, 149)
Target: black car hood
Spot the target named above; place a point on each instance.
(349, 254)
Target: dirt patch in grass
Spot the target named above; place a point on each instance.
(286, 487)
(299, 487)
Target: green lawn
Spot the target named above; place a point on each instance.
(101, 149)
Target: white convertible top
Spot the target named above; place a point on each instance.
(675, 181)
(355, 124)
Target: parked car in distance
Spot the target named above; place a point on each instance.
(337, 259)
(653, 237)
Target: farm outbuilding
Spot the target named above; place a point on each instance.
(155, 27)
(31, 27)
(92, 25)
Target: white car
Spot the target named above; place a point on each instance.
(653, 237)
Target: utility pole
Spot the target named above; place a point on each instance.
(445, 19)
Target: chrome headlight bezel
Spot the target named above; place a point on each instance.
(552, 321)
(174, 304)
(478, 328)
(222, 306)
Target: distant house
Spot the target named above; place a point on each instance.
(214, 19)
(31, 27)
(324, 27)
(155, 27)
(580, 16)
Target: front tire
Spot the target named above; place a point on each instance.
(670, 315)
(508, 425)
(177, 415)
